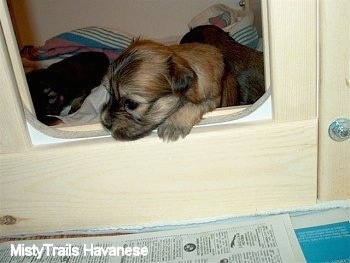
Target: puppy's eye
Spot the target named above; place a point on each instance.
(130, 104)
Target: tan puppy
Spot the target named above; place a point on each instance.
(166, 87)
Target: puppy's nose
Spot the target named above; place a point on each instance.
(106, 120)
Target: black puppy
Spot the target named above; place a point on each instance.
(65, 83)
(246, 64)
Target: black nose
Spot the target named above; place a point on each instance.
(106, 120)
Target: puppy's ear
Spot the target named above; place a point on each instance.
(182, 76)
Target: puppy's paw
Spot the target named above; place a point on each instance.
(168, 131)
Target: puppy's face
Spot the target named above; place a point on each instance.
(147, 84)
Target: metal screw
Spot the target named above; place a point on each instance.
(339, 130)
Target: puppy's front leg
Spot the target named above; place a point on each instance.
(181, 122)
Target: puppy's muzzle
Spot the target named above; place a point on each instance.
(106, 118)
(106, 121)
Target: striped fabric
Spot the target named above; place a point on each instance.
(99, 39)
(247, 36)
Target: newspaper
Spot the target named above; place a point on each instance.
(324, 236)
(271, 239)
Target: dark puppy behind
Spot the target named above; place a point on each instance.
(65, 83)
(246, 64)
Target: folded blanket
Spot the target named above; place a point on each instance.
(99, 39)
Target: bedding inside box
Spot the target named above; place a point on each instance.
(112, 42)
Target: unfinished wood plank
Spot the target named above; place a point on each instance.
(334, 157)
(11, 46)
(13, 129)
(215, 171)
(292, 26)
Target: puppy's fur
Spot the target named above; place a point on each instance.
(246, 64)
(64, 83)
(165, 87)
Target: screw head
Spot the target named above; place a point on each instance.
(339, 130)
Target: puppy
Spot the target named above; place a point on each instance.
(65, 83)
(246, 64)
(165, 87)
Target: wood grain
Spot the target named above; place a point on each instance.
(212, 173)
(334, 157)
(293, 58)
(13, 132)
(217, 171)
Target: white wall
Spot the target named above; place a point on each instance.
(38, 20)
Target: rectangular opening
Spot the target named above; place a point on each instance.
(237, 169)
(36, 22)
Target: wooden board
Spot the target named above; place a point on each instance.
(216, 171)
(13, 132)
(212, 173)
(334, 157)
